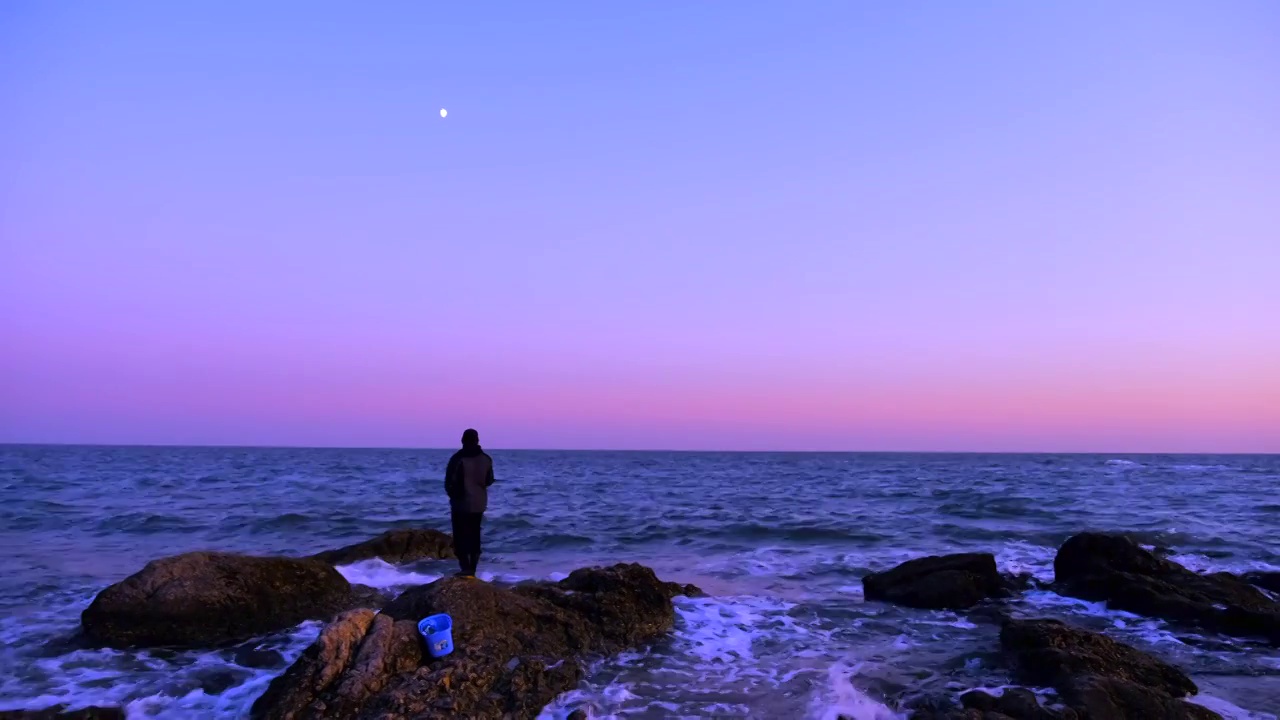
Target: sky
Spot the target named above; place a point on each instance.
(978, 226)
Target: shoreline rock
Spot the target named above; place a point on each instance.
(516, 648)
(209, 599)
(1096, 676)
(943, 582)
(394, 546)
(1093, 676)
(1116, 570)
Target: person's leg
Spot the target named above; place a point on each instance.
(477, 522)
(460, 535)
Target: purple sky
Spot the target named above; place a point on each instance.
(832, 225)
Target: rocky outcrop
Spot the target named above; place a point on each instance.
(59, 713)
(1115, 569)
(394, 546)
(1096, 676)
(947, 582)
(516, 648)
(209, 599)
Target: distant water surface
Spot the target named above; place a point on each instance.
(780, 540)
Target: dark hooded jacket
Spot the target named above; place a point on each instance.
(467, 479)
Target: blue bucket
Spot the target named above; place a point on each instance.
(437, 630)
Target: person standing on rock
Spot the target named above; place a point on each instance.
(467, 480)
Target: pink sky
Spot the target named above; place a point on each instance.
(847, 227)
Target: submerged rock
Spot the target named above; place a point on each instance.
(59, 713)
(210, 599)
(1096, 676)
(516, 648)
(947, 582)
(1115, 569)
(394, 546)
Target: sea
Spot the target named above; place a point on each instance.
(779, 541)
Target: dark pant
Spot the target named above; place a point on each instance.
(466, 540)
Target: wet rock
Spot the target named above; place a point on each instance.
(1115, 569)
(369, 597)
(577, 715)
(1096, 676)
(1105, 697)
(394, 546)
(209, 599)
(947, 582)
(60, 713)
(1016, 703)
(516, 649)
(1265, 580)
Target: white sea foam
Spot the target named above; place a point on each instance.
(1229, 711)
(842, 699)
(148, 686)
(1123, 464)
(383, 575)
(1204, 564)
(1023, 557)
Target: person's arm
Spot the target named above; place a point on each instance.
(489, 480)
(451, 477)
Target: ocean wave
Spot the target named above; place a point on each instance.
(1120, 463)
(146, 523)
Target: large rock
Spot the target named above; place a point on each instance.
(1099, 678)
(395, 547)
(1115, 569)
(948, 582)
(516, 649)
(209, 599)
(60, 713)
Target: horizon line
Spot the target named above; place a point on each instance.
(405, 448)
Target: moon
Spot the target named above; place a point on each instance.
(444, 113)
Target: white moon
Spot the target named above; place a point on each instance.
(444, 113)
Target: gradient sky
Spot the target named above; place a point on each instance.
(752, 225)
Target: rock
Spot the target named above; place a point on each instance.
(1115, 569)
(1016, 703)
(516, 649)
(577, 715)
(60, 713)
(1265, 580)
(1103, 697)
(1096, 676)
(948, 582)
(394, 546)
(212, 599)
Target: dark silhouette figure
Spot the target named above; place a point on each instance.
(467, 480)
